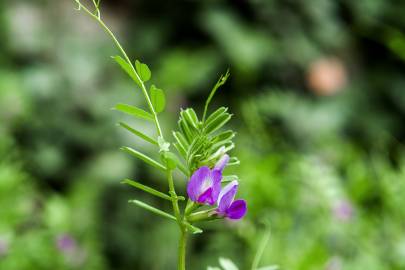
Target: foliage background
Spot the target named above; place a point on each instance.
(317, 89)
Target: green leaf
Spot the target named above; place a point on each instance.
(152, 209)
(143, 71)
(128, 69)
(180, 139)
(158, 99)
(138, 133)
(224, 136)
(180, 149)
(213, 268)
(186, 130)
(134, 111)
(229, 178)
(227, 264)
(233, 161)
(193, 229)
(171, 160)
(220, 111)
(147, 189)
(144, 158)
(190, 117)
(217, 123)
(181, 145)
(270, 267)
(219, 83)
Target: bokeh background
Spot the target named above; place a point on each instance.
(317, 89)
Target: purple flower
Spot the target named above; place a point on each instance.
(227, 206)
(66, 243)
(204, 186)
(343, 210)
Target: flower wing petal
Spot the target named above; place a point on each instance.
(226, 196)
(196, 182)
(237, 209)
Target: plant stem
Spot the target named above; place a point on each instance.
(182, 250)
(120, 48)
(179, 219)
(175, 200)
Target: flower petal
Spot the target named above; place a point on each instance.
(196, 182)
(226, 196)
(237, 209)
(221, 163)
(206, 197)
(216, 177)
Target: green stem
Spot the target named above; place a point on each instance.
(175, 199)
(179, 219)
(182, 250)
(118, 44)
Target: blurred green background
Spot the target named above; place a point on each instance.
(317, 88)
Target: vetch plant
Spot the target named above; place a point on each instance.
(202, 151)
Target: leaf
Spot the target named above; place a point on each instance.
(229, 178)
(138, 133)
(190, 117)
(185, 129)
(147, 189)
(220, 111)
(152, 209)
(171, 160)
(217, 123)
(134, 111)
(224, 136)
(233, 161)
(128, 69)
(213, 268)
(219, 83)
(143, 71)
(227, 264)
(180, 149)
(158, 99)
(193, 229)
(144, 158)
(181, 140)
(270, 267)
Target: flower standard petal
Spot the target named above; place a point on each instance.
(237, 209)
(226, 197)
(196, 182)
(221, 163)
